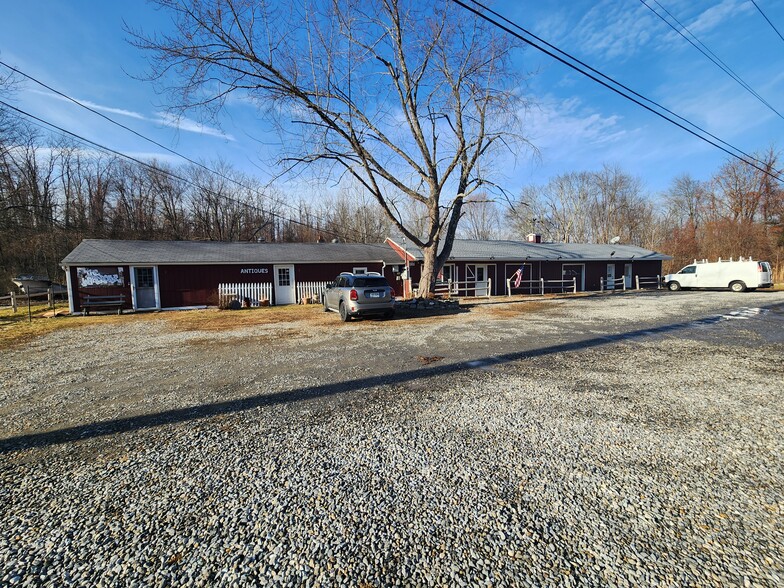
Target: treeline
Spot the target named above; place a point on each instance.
(737, 212)
(52, 197)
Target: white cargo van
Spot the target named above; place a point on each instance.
(737, 275)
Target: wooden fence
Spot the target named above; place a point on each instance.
(542, 286)
(14, 300)
(640, 282)
(648, 282)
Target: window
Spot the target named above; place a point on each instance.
(371, 282)
(284, 276)
(689, 269)
(144, 277)
(448, 273)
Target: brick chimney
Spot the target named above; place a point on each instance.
(534, 238)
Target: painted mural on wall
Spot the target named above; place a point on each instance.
(90, 277)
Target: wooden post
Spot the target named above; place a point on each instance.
(508, 287)
(50, 297)
(542, 285)
(489, 287)
(13, 301)
(658, 282)
(601, 284)
(637, 281)
(574, 288)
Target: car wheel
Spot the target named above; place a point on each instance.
(738, 286)
(343, 312)
(674, 286)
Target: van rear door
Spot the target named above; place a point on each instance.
(765, 274)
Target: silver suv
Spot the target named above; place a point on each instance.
(360, 295)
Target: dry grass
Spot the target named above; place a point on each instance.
(18, 328)
(515, 309)
(226, 320)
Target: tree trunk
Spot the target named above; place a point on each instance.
(433, 260)
(427, 280)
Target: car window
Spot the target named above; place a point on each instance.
(689, 269)
(370, 282)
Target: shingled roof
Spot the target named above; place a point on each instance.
(114, 252)
(471, 250)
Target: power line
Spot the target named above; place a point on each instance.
(702, 48)
(44, 123)
(158, 144)
(615, 86)
(767, 19)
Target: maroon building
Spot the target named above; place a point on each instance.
(482, 268)
(150, 275)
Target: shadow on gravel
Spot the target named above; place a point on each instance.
(127, 424)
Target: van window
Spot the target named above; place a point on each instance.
(689, 269)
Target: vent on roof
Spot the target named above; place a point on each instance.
(534, 238)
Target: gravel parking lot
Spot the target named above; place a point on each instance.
(610, 440)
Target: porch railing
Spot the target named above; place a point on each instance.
(542, 286)
(469, 288)
(612, 284)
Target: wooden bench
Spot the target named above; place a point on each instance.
(92, 301)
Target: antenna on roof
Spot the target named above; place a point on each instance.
(615, 240)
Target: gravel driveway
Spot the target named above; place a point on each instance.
(614, 440)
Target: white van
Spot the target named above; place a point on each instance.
(737, 275)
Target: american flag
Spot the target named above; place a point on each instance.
(518, 276)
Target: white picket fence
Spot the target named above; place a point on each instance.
(253, 292)
(310, 290)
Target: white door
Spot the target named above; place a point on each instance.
(610, 285)
(480, 277)
(144, 288)
(285, 291)
(627, 275)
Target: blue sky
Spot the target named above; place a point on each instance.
(79, 47)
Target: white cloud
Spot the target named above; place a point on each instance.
(611, 33)
(191, 126)
(93, 105)
(717, 15)
(559, 125)
(162, 118)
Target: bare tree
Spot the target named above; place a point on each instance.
(562, 207)
(482, 217)
(587, 207)
(408, 98)
(738, 194)
(617, 205)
